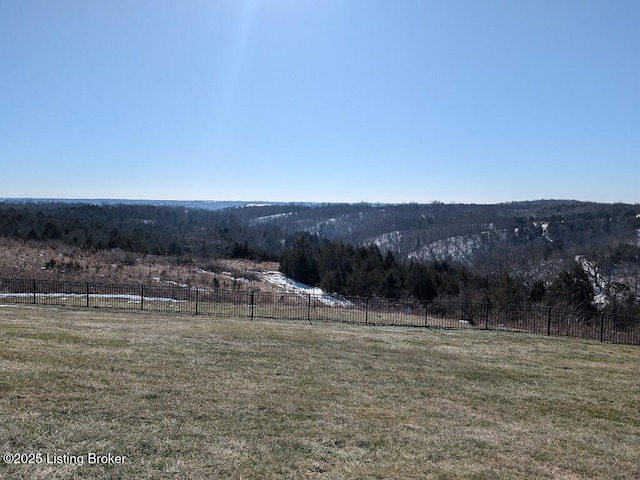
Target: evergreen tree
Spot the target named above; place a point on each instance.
(507, 291)
(300, 262)
(419, 282)
(537, 291)
(571, 289)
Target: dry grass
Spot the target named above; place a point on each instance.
(51, 261)
(196, 397)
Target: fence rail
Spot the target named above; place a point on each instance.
(311, 308)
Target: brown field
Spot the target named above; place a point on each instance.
(52, 261)
(199, 397)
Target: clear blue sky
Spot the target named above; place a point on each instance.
(478, 101)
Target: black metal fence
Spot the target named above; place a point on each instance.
(282, 307)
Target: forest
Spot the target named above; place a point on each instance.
(579, 254)
(143, 229)
(366, 271)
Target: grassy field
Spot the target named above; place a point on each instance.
(200, 397)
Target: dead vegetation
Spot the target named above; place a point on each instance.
(52, 261)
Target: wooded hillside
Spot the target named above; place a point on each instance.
(542, 251)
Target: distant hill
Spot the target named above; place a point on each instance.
(532, 241)
(196, 204)
(465, 233)
(432, 231)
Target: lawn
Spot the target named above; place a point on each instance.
(186, 397)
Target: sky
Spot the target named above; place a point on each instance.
(466, 101)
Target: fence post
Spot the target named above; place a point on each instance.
(141, 297)
(602, 327)
(366, 311)
(34, 291)
(309, 309)
(549, 322)
(87, 294)
(197, 294)
(251, 295)
(486, 318)
(426, 314)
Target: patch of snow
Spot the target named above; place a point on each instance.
(461, 248)
(545, 230)
(269, 218)
(200, 270)
(601, 299)
(591, 269)
(288, 285)
(544, 226)
(336, 226)
(112, 296)
(170, 282)
(386, 241)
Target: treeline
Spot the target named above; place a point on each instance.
(350, 270)
(140, 229)
(568, 224)
(527, 240)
